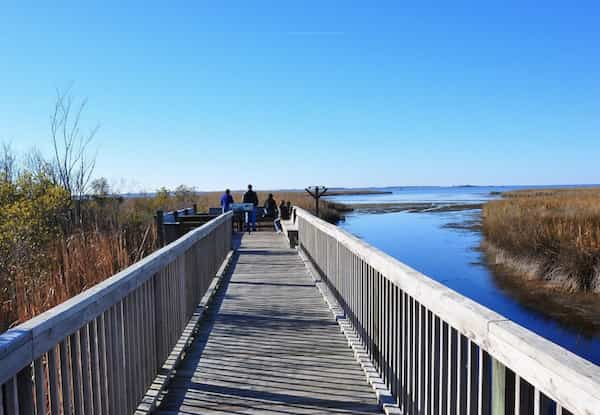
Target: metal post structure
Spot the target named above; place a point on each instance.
(316, 192)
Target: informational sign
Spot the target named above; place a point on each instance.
(242, 207)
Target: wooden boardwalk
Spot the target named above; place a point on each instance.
(269, 345)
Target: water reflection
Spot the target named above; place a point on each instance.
(444, 245)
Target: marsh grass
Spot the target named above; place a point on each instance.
(114, 234)
(550, 234)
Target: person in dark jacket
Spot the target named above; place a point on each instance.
(251, 197)
(271, 211)
(283, 211)
(271, 206)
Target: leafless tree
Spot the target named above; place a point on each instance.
(38, 165)
(100, 187)
(8, 163)
(73, 162)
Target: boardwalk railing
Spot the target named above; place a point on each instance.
(437, 351)
(99, 352)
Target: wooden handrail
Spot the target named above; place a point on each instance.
(395, 308)
(110, 340)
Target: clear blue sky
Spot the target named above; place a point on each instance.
(287, 94)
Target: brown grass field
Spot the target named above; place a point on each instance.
(115, 234)
(550, 235)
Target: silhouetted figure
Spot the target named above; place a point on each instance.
(251, 197)
(271, 212)
(271, 206)
(283, 211)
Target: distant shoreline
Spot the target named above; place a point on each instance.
(357, 192)
(393, 207)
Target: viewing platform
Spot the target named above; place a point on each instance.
(309, 321)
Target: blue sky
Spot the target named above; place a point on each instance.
(288, 94)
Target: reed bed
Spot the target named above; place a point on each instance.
(114, 234)
(551, 235)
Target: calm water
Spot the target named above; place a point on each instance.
(449, 255)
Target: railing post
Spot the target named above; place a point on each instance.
(498, 387)
(159, 227)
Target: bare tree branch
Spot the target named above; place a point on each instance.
(8, 163)
(73, 164)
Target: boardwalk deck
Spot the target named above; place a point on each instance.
(269, 345)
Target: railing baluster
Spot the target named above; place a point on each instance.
(12, 396)
(1, 399)
(25, 391)
(536, 402)
(443, 368)
(88, 401)
(40, 385)
(102, 366)
(498, 386)
(459, 369)
(419, 357)
(426, 360)
(116, 335)
(76, 372)
(95, 366)
(53, 381)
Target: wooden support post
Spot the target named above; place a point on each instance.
(159, 227)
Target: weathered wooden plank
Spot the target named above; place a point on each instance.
(269, 343)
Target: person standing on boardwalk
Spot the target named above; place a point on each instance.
(283, 210)
(271, 209)
(226, 201)
(271, 206)
(251, 197)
